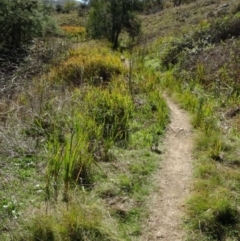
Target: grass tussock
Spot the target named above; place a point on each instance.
(80, 222)
(92, 65)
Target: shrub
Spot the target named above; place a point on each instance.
(22, 20)
(172, 51)
(215, 32)
(59, 8)
(219, 30)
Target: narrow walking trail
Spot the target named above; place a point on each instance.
(172, 181)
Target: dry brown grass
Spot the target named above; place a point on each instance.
(175, 21)
(220, 64)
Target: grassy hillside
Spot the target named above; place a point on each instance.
(76, 140)
(176, 21)
(198, 60)
(78, 121)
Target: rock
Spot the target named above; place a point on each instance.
(155, 149)
(159, 235)
(207, 3)
(233, 112)
(122, 58)
(225, 5)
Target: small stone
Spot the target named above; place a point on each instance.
(159, 235)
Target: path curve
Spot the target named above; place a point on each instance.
(172, 180)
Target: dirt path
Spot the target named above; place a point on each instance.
(173, 181)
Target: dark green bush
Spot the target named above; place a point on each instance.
(21, 20)
(175, 48)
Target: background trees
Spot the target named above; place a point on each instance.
(69, 6)
(21, 20)
(107, 19)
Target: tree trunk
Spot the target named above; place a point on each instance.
(115, 39)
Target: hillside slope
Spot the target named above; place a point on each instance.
(81, 131)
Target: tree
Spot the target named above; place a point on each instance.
(107, 18)
(177, 3)
(22, 20)
(69, 6)
(82, 8)
(147, 6)
(59, 8)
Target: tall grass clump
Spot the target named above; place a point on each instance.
(83, 221)
(111, 109)
(88, 65)
(99, 119)
(159, 110)
(70, 161)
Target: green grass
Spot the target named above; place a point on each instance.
(88, 143)
(212, 209)
(84, 152)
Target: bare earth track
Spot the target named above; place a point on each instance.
(172, 180)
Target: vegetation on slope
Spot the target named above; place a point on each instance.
(201, 70)
(75, 140)
(82, 144)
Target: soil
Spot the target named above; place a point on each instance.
(172, 181)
